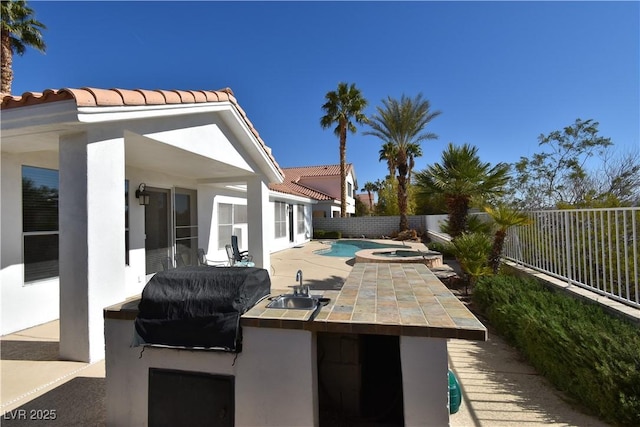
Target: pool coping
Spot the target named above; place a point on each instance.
(431, 259)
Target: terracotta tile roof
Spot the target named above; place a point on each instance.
(293, 176)
(309, 171)
(94, 97)
(288, 187)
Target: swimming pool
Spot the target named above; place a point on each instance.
(348, 248)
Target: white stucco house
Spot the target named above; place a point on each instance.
(321, 183)
(101, 188)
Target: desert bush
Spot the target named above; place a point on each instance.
(584, 351)
(446, 249)
(323, 234)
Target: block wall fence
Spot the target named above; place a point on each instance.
(374, 227)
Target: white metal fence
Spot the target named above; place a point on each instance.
(597, 249)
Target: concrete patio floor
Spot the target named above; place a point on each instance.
(499, 389)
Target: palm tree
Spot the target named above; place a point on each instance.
(471, 250)
(341, 107)
(460, 177)
(402, 123)
(379, 186)
(505, 217)
(369, 187)
(388, 153)
(19, 30)
(413, 151)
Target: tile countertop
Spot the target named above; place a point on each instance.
(383, 299)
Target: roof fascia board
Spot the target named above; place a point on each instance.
(51, 113)
(276, 195)
(273, 174)
(332, 202)
(118, 113)
(231, 180)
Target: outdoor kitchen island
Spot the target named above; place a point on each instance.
(290, 357)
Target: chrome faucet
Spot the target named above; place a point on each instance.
(301, 289)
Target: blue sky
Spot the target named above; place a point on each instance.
(502, 73)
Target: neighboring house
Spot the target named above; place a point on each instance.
(321, 183)
(101, 188)
(367, 200)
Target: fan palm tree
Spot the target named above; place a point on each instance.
(505, 217)
(402, 123)
(19, 31)
(471, 250)
(342, 107)
(379, 186)
(369, 187)
(460, 177)
(388, 154)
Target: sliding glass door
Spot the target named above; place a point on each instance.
(157, 228)
(186, 227)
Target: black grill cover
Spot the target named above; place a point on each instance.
(199, 306)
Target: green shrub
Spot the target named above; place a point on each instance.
(323, 234)
(446, 249)
(591, 355)
(472, 252)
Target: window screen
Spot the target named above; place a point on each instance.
(229, 215)
(40, 222)
(280, 216)
(300, 219)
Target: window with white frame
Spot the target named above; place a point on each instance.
(229, 215)
(280, 216)
(40, 223)
(349, 190)
(40, 187)
(300, 229)
(239, 214)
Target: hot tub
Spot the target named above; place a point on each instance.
(429, 258)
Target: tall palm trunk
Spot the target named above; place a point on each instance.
(412, 164)
(6, 63)
(458, 207)
(343, 168)
(496, 250)
(402, 191)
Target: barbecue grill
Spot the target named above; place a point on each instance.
(199, 307)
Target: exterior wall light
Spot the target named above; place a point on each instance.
(142, 195)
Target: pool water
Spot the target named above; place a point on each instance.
(348, 248)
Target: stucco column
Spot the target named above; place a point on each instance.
(92, 258)
(258, 222)
(425, 384)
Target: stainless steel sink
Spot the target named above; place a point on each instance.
(294, 302)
